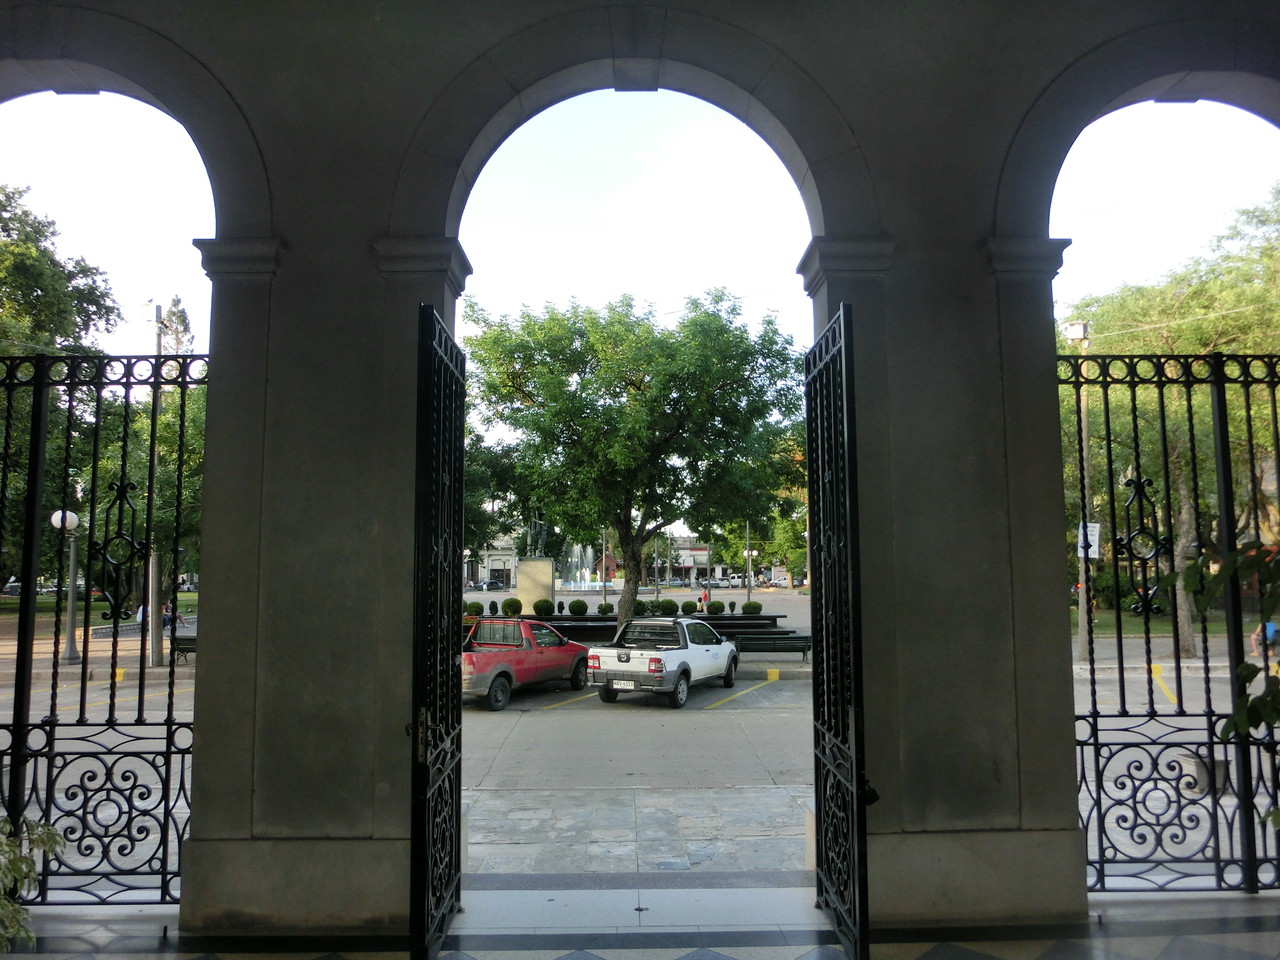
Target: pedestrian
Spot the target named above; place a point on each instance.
(1265, 633)
(703, 601)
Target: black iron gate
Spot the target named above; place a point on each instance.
(436, 830)
(1168, 459)
(100, 463)
(839, 769)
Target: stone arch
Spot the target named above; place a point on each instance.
(633, 49)
(1225, 60)
(72, 50)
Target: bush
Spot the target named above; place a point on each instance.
(733, 605)
(689, 607)
(669, 608)
(19, 865)
(578, 607)
(543, 608)
(560, 607)
(715, 607)
(473, 608)
(493, 608)
(604, 609)
(511, 607)
(641, 609)
(752, 607)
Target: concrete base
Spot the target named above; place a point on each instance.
(536, 581)
(238, 887)
(976, 877)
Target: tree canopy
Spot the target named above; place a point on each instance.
(620, 422)
(46, 302)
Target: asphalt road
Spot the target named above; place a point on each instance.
(551, 737)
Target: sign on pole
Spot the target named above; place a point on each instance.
(1092, 533)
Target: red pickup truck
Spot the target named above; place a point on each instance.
(502, 654)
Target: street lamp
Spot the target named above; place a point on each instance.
(466, 564)
(66, 521)
(1078, 334)
(749, 561)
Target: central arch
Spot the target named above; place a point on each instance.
(641, 49)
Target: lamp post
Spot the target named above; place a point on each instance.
(466, 564)
(66, 521)
(1078, 333)
(749, 561)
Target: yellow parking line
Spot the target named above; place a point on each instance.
(1157, 669)
(735, 696)
(585, 696)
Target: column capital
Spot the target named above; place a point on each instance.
(416, 257)
(239, 258)
(1030, 257)
(869, 257)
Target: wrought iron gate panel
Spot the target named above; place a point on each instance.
(436, 841)
(839, 785)
(118, 441)
(1173, 457)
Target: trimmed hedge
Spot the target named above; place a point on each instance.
(669, 608)
(543, 608)
(511, 607)
(473, 608)
(751, 608)
(689, 607)
(578, 608)
(715, 607)
(641, 609)
(604, 609)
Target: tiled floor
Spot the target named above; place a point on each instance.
(630, 874)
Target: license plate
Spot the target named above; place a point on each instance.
(624, 684)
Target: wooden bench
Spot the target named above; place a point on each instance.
(773, 643)
(181, 647)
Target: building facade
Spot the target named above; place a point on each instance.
(341, 141)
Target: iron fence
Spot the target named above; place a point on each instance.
(1168, 459)
(100, 479)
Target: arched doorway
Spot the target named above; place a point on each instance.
(1151, 772)
(841, 799)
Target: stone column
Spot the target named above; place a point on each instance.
(967, 688)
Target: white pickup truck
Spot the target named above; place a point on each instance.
(661, 655)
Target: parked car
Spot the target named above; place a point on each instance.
(490, 585)
(662, 655)
(501, 654)
(673, 582)
(778, 582)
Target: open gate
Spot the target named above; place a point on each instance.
(840, 790)
(436, 827)
(1168, 458)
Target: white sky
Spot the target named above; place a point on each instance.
(658, 195)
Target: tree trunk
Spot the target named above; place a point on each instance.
(1185, 547)
(632, 550)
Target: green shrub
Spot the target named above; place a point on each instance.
(641, 609)
(715, 607)
(604, 609)
(733, 605)
(19, 874)
(560, 607)
(752, 607)
(669, 608)
(578, 607)
(473, 608)
(511, 607)
(689, 607)
(543, 608)
(493, 608)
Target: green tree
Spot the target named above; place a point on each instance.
(622, 423)
(47, 303)
(1229, 302)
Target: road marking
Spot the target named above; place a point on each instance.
(1157, 671)
(735, 696)
(585, 696)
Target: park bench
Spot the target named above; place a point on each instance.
(181, 647)
(773, 643)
